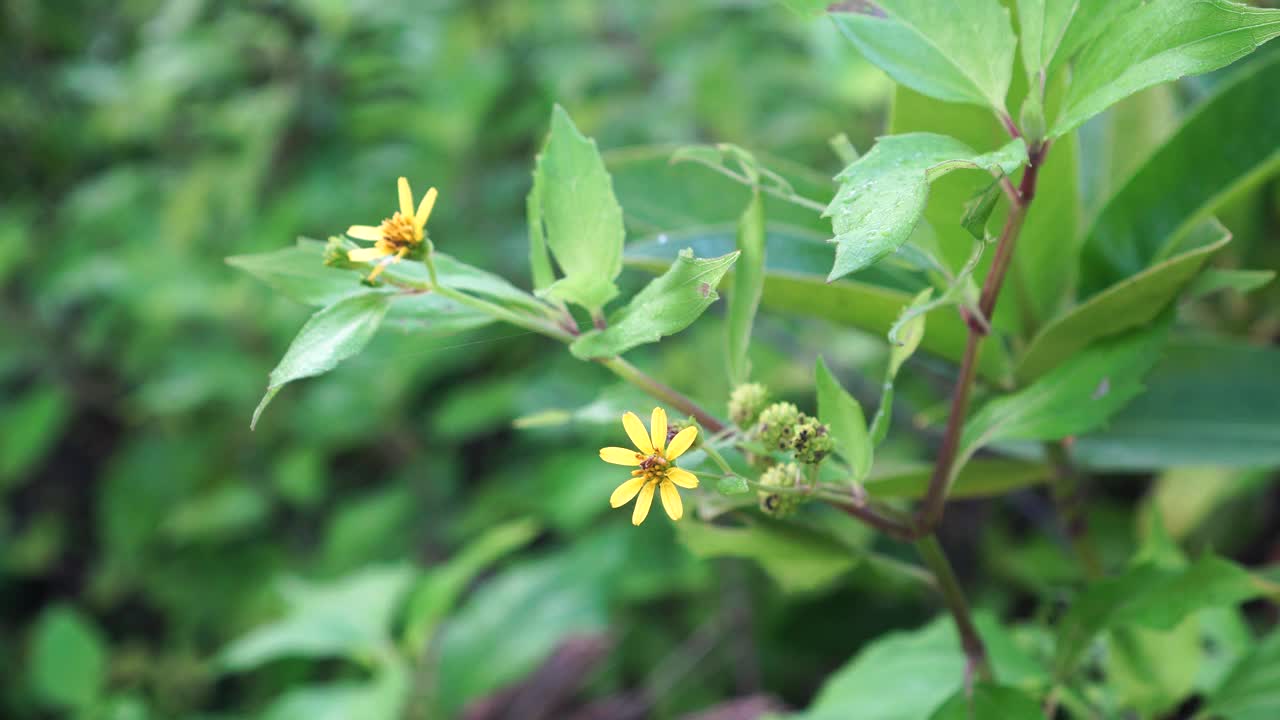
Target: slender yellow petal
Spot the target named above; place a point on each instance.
(365, 232)
(624, 492)
(681, 442)
(620, 456)
(365, 254)
(642, 503)
(635, 431)
(424, 208)
(671, 500)
(406, 197)
(683, 478)
(658, 428)
(382, 265)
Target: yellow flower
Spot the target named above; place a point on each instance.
(654, 458)
(398, 234)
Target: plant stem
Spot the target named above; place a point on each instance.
(672, 397)
(1068, 497)
(953, 597)
(716, 458)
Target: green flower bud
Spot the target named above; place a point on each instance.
(779, 504)
(746, 402)
(776, 428)
(812, 442)
(335, 253)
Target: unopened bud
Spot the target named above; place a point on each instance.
(812, 441)
(776, 428)
(746, 402)
(780, 504)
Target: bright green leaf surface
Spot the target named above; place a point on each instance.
(1077, 396)
(667, 305)
(954, 51)
(837, 408)
(1241, 281)
(1131, 303)
(748, 286)
(797, 558)
(978, 478)
(30, 424)
(1161, 41)
(329, 337)
(1153, 671)
(882, 196)
(580, 214)
(1207, 161)
(1251, 691)
(990, 701)
(68, 661)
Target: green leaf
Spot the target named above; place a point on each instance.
(30, 425)
(439, 589)
(1151, 597)
(1052, 31)
(68, 662)
(1208, 402)
(748, 286)
(667, 305)
(732, 485)
(883, 195)
(902, 345)
(1153, 671)
(381, 698)
(581, 216)
(329, 337)
(953, 51)
(978, 478)
(795, 283)
(458, 275)
(805, 8)
(1251, 691)
(348, 617)
(299, 273)
(990, 701)
(1132, 303)
(1205, 163)
(978, 211)
(837, 408)
(1077, 396)
(1241, 281)
(1160, 41)
(797, 558)
(539, 258)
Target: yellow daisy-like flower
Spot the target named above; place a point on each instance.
(653, 459)
(398, 234)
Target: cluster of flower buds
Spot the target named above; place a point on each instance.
(780, 504)
(746, 402)
(783, 427)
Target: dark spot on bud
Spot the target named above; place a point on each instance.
(705, 289)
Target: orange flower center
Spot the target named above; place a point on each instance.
(399, 231)
(653, 467)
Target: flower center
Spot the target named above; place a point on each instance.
(399, 231)
(653, 467)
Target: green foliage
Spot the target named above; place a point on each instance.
(799, 559)
(848, 425)
(748, 283)
(68, 661)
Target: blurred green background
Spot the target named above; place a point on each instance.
(144, 528)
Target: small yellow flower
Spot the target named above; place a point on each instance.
(397, 235)
(654, 458)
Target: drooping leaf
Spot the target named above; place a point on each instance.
(882, 196)
(1251, 691)
(1159, 41)
(795, 283)
(837, 408)
(68, 661)
(329, 337)
(902, 345)
(1148, 596)
(1131, 303)
(990, 701)
(1149, 219)
(953, 51)
(1208, 402)
(748, 286)
(667, 305)
(797, 558)
(1077, 396)
(581, 216)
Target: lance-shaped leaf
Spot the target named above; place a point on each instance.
(953, 51)
(1157, 42)
(667, 305)
(580, 216)
(883, 194)
(748, 286)
(902, 345)
(1078, 395)
(837, 408)
(329, 337)
(1054, 30)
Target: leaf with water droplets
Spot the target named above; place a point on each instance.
(882, 196)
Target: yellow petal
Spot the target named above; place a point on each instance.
(642, 504)
(406, 197)
(658, 428)
(681, 442)
(365, 232)
(624, 492)
(635, 431)
(620, 456)
(424, 208)
(671, 500)
(365, 254)
(683, 478)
